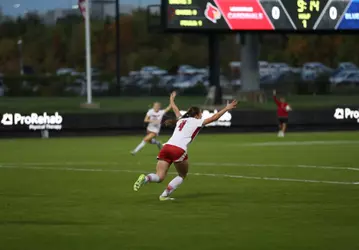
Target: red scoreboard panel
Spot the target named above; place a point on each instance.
(261, 15)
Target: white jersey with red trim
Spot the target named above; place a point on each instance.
(155, 116)
(185, 132)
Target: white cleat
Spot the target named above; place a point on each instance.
(280, 134)
(166, 198)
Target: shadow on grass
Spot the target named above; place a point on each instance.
(179, 198)
(197, 195)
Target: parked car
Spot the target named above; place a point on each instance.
(297, 69)
(184, 81)
(190, 80)
(65, 71)
(346, 66)
(149, 71)
(200, 78)
(313, 69)
(186, 69)
(341, 75)
(279, 68)
(79, 87)
(266, 79)
(134, 73)
(346, 78)
(203, 71)
(167, 81)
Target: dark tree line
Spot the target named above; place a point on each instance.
(47, 48)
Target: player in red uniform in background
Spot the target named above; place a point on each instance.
(175, 150)
(282, 112)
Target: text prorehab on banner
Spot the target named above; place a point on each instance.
(33, 121)
(265, 15)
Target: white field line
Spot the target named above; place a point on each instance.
(214, 164)
(295, 143)
(272, 165)
(197, 174)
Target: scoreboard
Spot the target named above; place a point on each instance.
(261, 15)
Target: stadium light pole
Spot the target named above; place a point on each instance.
(118, 61)
(88, 52)
(84, 6)
(85, 9)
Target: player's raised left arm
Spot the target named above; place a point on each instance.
(275, 97)
(168, 108)
(174, 106)
(218, 115)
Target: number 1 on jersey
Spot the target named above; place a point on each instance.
(180, 127)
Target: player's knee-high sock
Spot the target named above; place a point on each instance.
(152, 178)
(154, 141)
(139, 147)
(172, 186)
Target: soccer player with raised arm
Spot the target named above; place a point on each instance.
(282, 112)
(175, 150)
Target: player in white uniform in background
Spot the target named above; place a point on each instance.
(175, 150)
(153, 118)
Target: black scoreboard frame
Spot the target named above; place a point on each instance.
(164, 20)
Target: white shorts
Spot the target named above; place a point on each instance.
(153, 130)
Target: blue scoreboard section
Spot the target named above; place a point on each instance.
(350, 19)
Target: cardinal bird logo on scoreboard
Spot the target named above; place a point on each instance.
(212, 13)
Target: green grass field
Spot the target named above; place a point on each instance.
(141, 104)
(251, 191)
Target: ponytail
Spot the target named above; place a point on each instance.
(170, 122)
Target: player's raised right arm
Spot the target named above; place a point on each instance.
(218, 115)
(174, 106)
(275, 98)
